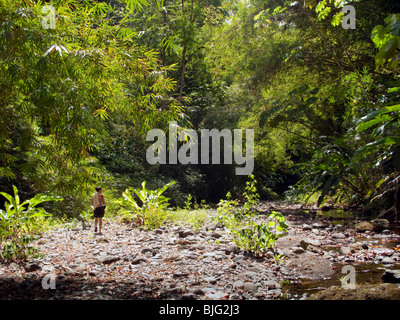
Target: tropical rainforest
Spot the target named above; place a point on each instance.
(82, 82)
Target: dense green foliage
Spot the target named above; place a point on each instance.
(313, 91)
(77, 100)
(19, 222)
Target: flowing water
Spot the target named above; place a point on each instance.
(366, 273)
(369, 272)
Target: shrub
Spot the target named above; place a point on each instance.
(152, 205)
(19, 221)
(250, 231)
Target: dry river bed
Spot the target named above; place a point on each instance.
(177, 262)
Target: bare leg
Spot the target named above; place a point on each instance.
(100, 224)
(95, 224)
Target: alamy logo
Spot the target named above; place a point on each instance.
(49, 282)
(349, 20)
(189, 150)
(349, 280)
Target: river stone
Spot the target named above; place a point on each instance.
(43, 241)
(396, 256)
(211, 226)
(249, 287)
(388, 260)
(338, 235)
(391, 276)
(238, 284)
(198, 291)
(319, 225)
(380, 224)
(30, 267)
(364, 226)
(188, 296)
(345, 250)
(304, 243)
(354, 247)
(259, 295)
(285, 252)
(298, 250)
(216, 235)
(238, 258)
(158, 231)
(109, 259)
(231, 248)
(271, 285)
(145, 250)
(338, 227)
(314, 249)
(315, 231)
(185, 233)
(181, 274)
(247, 274)
(381, 291)
(172, 256)
(81, 267)
(138, 259)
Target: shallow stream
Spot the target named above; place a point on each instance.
(368, 272)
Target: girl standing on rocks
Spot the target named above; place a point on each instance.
(99, 204)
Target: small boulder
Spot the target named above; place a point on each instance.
(238, 284)
(211, 226)
(138, 259)
(249, 287)
(315, 249)
(345, 250)
(364, 226)
(272, 285)
(304, 243)
(109, 259)
(185, 233)
(380, 224)
(30, 267)
(354, 247)
(388, 260)
(319, 225)
(43, 241)
(80, 268)
(231, 248)
(216, 235)
(146, 250)
(391, 276)
(158, 231)
(298, 250)
(338, 236)
(188, 296)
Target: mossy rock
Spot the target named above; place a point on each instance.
(381, 291)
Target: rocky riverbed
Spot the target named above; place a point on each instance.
(177, 262)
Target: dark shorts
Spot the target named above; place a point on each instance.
(99, 212)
